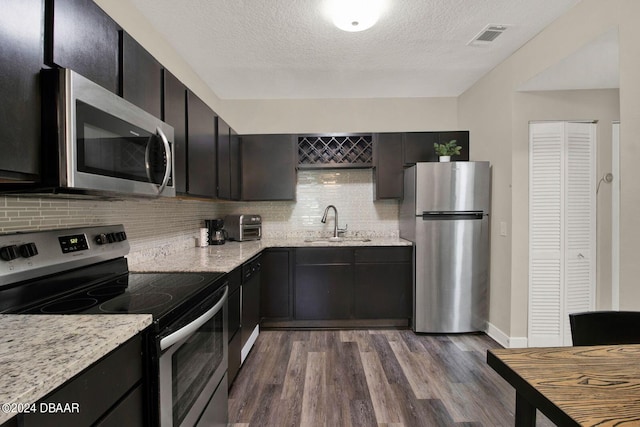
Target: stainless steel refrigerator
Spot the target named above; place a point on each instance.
(445, 212)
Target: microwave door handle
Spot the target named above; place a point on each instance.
(147, 160)
(167, 151)
(189, 329)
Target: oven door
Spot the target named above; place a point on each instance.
(193, 365)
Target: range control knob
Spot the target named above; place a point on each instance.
(111, 237)
(101, 239)
(28, 250)
(123, 236)
(9, 253)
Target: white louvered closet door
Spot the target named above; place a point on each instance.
(561, 228)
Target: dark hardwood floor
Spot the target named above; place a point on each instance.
(389, 378)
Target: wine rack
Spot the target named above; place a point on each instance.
(335, 151)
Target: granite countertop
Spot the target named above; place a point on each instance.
(39, 353)
(224, 258)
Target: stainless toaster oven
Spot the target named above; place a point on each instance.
(243, 227)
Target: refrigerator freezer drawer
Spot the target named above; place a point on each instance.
(453, 186)
(451, 274)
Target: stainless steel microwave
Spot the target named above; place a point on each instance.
(95, 142)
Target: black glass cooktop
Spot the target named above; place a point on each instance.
(108, 289)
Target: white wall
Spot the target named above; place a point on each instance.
(497, 116)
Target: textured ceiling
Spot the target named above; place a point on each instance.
(283, 49)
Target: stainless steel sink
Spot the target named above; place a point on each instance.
(337, 240)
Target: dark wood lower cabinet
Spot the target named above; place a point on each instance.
(276, 291)
(383, 283)
(107, 392)
(338, 287)
(323, 292)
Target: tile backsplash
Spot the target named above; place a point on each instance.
(162, 226)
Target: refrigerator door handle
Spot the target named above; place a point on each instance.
(452, 215)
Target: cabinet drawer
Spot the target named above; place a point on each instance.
(129, 412)
(384, 255)
(324, 256)
(96, 389)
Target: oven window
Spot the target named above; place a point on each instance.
(111, 147)
(193, 365)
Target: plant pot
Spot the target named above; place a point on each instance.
(445, 158)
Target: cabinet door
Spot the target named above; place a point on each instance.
(82, 37)
(21, 50)
(383, 283)
(141, 76)
(201, 148)
(418, 147)
(323, 292)
(462, 139)
(234, 165)
(388, 169)
(268, 167)
(175, 114)
(323, 284)
(223, 135)
(275, 285)
(98, 389)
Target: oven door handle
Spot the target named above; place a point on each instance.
(189, 329)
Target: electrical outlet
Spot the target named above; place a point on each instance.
(503, 228)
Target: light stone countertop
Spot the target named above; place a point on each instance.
(224, 258)
(39, 353)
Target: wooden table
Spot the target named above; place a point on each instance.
(573, 386)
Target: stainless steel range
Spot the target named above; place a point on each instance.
(84, 270)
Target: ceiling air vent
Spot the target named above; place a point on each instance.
(488, 34)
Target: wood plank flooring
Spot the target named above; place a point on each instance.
(384, 378)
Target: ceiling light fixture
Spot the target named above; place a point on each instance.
(355, 15)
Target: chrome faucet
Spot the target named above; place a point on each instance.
(336, 230)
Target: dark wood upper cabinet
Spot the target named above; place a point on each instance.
(268, 164)
(234, 164)
(462, 139)
(202, 155)
(141, 76)
(21, 50)
(418, 146)
(228, 161)
(81, 36)
(175, 114)
(223, 135)
(388, 169)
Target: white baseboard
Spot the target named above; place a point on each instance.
(249, 344)
(505, 340)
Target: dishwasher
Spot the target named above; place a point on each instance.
(250, 310)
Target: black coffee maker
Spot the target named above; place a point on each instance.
(217, 236)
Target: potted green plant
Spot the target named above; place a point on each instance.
(446, 150)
